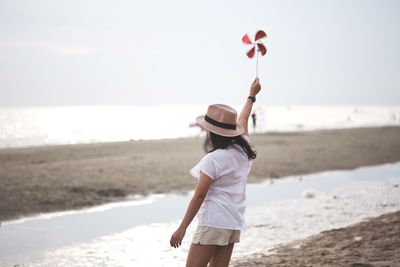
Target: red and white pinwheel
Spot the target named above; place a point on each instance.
(258, 46)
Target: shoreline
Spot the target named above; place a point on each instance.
(371, 242)
(66, 177)
(362, 193)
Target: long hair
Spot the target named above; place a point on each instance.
(222, 142)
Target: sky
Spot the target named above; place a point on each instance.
(125, 52)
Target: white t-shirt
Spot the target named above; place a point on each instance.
(225, 203)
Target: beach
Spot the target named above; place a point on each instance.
(59, 178)
(375, 242)
(56, 178)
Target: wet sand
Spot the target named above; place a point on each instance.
(375, 242)
(56, 178)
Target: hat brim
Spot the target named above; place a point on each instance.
(218, 130)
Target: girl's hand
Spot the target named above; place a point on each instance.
(255, 87)
(177, 237)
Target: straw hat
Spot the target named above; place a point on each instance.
(222, 120)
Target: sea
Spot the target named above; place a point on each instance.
(39, 126)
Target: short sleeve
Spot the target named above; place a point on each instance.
(207, 165)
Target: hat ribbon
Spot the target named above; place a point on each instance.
(220, 124)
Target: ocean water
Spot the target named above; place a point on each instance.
(36, 126)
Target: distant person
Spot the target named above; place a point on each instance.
(220, 194)
(254, 118)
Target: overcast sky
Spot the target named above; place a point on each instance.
(94, 52)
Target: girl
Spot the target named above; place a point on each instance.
(220, 194)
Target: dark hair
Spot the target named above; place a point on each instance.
(222, 142)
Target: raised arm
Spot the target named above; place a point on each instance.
(248, 105)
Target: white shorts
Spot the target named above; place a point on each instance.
(206, 235)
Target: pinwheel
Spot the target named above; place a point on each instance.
(257, 45)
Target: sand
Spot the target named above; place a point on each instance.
(375, 242)
(56, 178)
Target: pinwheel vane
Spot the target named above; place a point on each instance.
(257, 44)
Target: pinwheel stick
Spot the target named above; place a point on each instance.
(257, 63)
